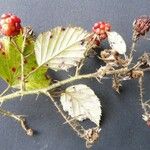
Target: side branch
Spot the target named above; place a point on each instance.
(20, 119)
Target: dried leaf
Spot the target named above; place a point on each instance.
(117, 42)
(81, 103)
(61, 48)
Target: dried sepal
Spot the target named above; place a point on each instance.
(135, 74)
(101, 72)
(145, 59)
(116, 84)
(91, 135)
(113, 58)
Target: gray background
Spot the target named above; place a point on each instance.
(122, 126)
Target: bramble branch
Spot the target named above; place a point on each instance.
(98, 74)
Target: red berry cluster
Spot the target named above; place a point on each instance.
(100, 29)
(10, 24)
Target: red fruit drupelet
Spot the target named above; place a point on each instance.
(10, 24)
(100, 29)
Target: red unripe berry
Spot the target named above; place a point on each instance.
(10, 24)
(101, 29)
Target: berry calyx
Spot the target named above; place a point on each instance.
(100, 29)
(10, 24)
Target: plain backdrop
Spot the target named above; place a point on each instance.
(122, 124)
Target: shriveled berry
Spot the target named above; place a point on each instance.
(10, 24)
(142, 25)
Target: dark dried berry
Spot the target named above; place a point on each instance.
(141, 25)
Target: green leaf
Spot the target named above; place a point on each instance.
(10, 68)
(39, 78)
(9, 60)
(61, 48)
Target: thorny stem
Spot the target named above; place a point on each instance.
(79, 67)
(21, 120)
(75, 125)
(142, 94)
(134, 40)
(63, 82)
(80, 131)
(86, 134)
(53, 86)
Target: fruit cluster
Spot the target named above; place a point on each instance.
(10, 24)
(101, 29)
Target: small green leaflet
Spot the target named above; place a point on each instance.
(61, 48)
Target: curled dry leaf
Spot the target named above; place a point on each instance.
(61, 48)
(116, 42)
(81, 103)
